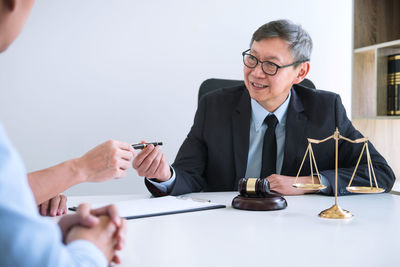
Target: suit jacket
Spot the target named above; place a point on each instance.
(213, 157)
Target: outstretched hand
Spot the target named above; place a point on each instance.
(106, 161)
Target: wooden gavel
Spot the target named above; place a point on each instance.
(253, 187)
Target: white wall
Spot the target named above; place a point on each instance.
(86, 71)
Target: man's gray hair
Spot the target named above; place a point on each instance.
(299, 40)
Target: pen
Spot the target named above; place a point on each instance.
(141, 146)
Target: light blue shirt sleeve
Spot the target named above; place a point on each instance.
(26, 238)
(166, 186)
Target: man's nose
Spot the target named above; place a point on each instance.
(258, 72)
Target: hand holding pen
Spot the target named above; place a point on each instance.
(151, 162)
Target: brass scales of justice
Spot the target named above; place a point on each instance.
(336, 212)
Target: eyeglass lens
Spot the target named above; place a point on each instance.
(251, 62)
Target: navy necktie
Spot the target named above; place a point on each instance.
(268, 166)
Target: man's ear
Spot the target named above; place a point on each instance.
(10, 4)
(304, 68)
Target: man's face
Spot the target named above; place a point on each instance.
(271, 91)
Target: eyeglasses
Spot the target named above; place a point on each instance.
(268, 67)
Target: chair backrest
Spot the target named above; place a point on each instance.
(213, 84)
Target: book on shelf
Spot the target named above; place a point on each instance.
(393, 87)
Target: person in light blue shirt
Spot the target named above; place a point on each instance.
(87, 238)
(26, 239)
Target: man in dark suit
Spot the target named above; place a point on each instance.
(260, 129)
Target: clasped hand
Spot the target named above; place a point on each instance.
(103, 227)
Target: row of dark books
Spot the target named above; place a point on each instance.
(393, 85)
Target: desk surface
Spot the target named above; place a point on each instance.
(295, 236)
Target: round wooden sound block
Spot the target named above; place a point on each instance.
(271, 201)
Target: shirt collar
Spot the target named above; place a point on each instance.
(259, 112)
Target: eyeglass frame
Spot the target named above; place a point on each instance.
(244, 53)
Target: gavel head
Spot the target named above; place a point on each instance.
(253, 187)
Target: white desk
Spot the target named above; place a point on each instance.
(295, 236)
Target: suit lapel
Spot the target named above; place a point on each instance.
(296, 123)
(241, 130)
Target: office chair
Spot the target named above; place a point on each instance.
(213, 84)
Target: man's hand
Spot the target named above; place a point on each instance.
(284, 184)
(106, 161)
(54, 207)
(102, 235)
(90, 218)
(151, 163)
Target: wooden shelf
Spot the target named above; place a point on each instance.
(375, 22)
(376, 36)
(370, 79)
(392, 44)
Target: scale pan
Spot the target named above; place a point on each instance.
(365, 189)
(309, 186)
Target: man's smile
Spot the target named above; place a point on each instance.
(258, 85)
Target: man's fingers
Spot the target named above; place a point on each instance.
(125, 146)
(55, 202)
(154, 164)
(44, 208)
(119, 173)
(85, 215)
(109, 210)
(126, 155)
(122, 230)
(121, 233)
(116, 259)
(162, 162)
(62, 208)
(124, 165)
(84, 209)
(142, 156)
(144, 167)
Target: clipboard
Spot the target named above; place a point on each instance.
(150, 207)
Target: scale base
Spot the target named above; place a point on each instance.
(335, 212)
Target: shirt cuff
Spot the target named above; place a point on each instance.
(166, 186)
(86, 253)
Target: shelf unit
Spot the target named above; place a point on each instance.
(376, 35)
